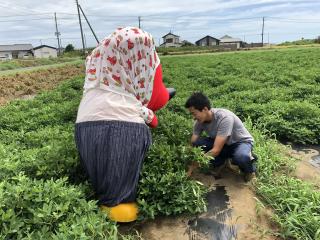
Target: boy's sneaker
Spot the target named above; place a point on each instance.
(249, 176)
(254, 157)
(233, 167)
(216, 171)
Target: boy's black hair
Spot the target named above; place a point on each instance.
(198, 100)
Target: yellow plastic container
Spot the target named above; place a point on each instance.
(124, 212)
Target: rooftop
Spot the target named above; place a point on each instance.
(16, 47)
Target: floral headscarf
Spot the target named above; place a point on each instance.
(125, 62)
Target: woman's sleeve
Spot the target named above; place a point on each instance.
(160, 95)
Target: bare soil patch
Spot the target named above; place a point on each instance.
(27, 84)
(305, 170)
(240, 218)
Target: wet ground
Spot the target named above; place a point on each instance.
(217, 222)
(308, 166)
(234, 212)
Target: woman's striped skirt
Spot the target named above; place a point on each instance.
(112, 153)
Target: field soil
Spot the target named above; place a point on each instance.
(232, 214)
(250, 221)
(26, 84)
(305, 170)
(247, 218)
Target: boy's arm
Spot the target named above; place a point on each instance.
(217, 146)
(197, 130)
(194, 138)
(224, 132)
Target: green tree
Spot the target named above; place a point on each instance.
(186, 43)
(69, 48)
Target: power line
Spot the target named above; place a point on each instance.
(26, 15)
(159, 18)
(32, 19)
(295, 19)
(101, 16)
(232, 33)
(26, 39)
(15, 7)
(288, 33)
(153, 17)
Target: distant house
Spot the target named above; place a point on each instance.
(227, 40)
(15, 51)
(45, 51)
(171, 40)
(208, 41)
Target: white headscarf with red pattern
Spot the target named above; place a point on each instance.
(125, 62)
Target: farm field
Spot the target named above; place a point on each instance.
(278, 88)
(25, 83)
(24, 63)
(209, 50)
(43, 190)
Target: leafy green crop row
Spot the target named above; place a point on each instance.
(43, 192)
(37, 140)
(279, 88)
(294, 202)
(49, 209)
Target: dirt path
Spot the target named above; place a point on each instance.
(307, 169)
(232, 214)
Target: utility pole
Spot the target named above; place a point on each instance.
(57, 33)
(139, 19)
(89, 24)
(85, 40)
(83, 48)
(262, 31)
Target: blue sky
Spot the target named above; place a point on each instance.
(31, 21)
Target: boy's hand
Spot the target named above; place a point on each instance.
(209, 154)
(191, 168)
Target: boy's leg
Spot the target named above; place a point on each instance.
(222, 157)
(241, 156)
